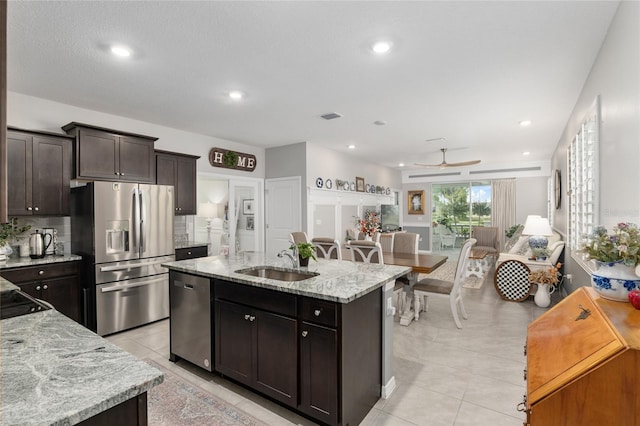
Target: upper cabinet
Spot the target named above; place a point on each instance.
(105, 154)
(39, 169)
(178, 170)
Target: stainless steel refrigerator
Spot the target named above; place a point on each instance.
(123, 231)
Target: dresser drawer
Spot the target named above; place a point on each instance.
(41, 272)
(191, 252)
(319, 311)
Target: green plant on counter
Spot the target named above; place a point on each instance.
(10, 230)
(306, 250)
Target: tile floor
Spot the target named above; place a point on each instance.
(445, 376)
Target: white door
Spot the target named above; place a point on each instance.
(284, 212)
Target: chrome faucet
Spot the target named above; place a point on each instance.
(293, 257)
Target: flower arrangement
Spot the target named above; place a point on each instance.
(621, 245)
(550, 275)
(370, 224)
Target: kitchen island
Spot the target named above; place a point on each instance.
(316, 344)
(56, 372)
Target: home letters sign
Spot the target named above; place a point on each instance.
(220, 157)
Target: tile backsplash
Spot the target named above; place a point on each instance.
(183, 225)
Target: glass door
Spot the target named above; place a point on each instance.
(456, 209)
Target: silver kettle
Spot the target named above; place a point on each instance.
(37, 247)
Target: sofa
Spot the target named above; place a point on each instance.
(517, 248)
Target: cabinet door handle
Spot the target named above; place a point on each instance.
(41, 272)
(117, 173)
(317, 312)
(29, 208)
(38, 287)
(252, 318)
(304, 333)
(121, 174)
(246, 317)
(189, 253)
(36, 209)
(44, 287)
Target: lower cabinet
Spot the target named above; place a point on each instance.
(319, 372)
(321, 358)
(56, 283)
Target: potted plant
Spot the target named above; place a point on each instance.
(305, 251)
(8, 232)
(616, 255)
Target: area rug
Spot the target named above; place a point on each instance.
(176, 402)
(447, 271)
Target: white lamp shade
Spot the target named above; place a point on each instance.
(536, 225)
(208, 210)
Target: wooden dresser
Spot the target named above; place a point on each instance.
(584, 368)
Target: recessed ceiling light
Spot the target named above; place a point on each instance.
(352, 146)
(525, 123)
(381, 47)
(400, 164)
(121, 51)
(236, 94)
(526, 153)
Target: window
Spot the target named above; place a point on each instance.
(582, 166)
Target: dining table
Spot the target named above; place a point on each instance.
(420, 263)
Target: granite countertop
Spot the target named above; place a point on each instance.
(189, 244)
(7, 286)
(54, 371)
(16, 262)
(338, 281)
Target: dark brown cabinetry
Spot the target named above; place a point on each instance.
(106, 154)
(191, 252)
(58, 284)
(39, 171)
(257, 347)
(178, 170)
(320, 357)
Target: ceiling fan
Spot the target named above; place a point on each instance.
(444, 163)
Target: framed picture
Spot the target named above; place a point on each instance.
(359, 184)
(250, 223)
(416, 202)
(247, 206)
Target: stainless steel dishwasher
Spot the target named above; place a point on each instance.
(190, 301)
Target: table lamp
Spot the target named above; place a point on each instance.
(209, 211)
(539, 229)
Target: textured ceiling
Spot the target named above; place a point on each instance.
(465, 71)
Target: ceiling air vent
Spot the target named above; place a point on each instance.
(331, 115)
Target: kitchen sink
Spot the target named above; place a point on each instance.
(279, 274)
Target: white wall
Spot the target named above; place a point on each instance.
(615, 76)
(329, 164)
(531, 197)
(33, 113)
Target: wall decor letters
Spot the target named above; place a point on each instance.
(220, 157)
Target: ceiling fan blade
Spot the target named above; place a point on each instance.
(429, 165)
(461, 164)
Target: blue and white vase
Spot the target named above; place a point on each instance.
(614, 280)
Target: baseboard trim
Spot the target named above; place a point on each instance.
(388, 388)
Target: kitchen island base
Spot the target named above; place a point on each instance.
(320, 358)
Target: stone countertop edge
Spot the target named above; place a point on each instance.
(338, 281)
(7, 286)
(189, 244)
(18, 262)
(56, 372)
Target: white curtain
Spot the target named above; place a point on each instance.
(503, 205)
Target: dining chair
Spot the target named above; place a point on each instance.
(432, 286)
(404, 243)
(298, 237)
(327, 248)
(366, 251)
